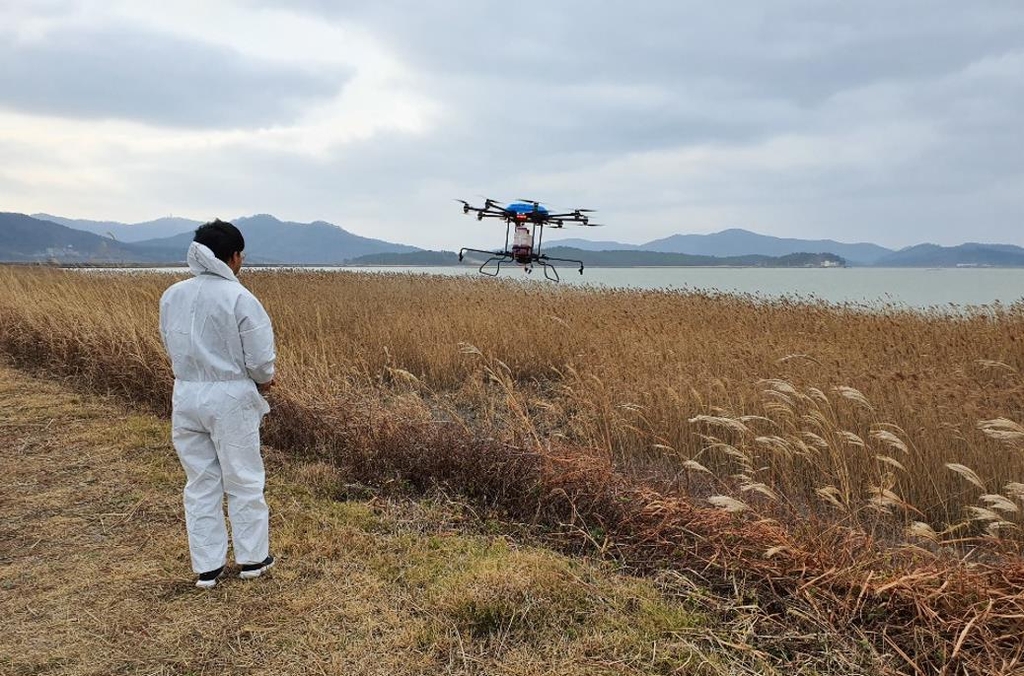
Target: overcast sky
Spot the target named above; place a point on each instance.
(892, 122)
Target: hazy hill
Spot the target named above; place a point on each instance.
(127, 232)
(588, 245)
(738, 242)
(25, 239)
(269, 240)
(609, 259)
(972, 253)
(272, 241)
(408, 258)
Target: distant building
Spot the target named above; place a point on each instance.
(61, 252)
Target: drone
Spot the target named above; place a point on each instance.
(524, 223)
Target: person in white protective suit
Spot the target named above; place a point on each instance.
(221, 345)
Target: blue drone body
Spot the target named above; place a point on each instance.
(523, 208)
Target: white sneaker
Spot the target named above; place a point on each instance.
(251, 571)
(208, 580)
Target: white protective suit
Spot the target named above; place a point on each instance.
(221, 344)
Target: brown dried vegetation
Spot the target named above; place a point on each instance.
(853, 470)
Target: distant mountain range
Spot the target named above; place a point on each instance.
(164, 241)
(47, 238)
(268, 240)
(26, 239)
(970, 254)
(614, 259)
(125, 232)
(738, 242)
(664, 259)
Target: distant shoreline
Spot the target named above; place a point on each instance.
(362, 266)
(356, 266)
(917, 288)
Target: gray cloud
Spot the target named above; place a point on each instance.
(790, 48)
(533, 73)
(123, 73)
(897, 122)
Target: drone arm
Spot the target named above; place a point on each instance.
(490, 254)
(486, 211)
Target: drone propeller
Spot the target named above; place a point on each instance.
(536, 203)
(584, 211)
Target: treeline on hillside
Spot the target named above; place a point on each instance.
(617, 259)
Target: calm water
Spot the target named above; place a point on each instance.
(917, 288)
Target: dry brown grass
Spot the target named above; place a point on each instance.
(824, 433)
(94, 577)
(630, 376)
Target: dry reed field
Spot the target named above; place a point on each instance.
(851, 469)
(93, 575)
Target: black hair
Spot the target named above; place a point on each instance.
(223, 238)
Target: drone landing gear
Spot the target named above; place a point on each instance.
(499, 257)
(553, 275)
(550, 272)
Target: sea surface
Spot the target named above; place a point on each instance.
(939, 288)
